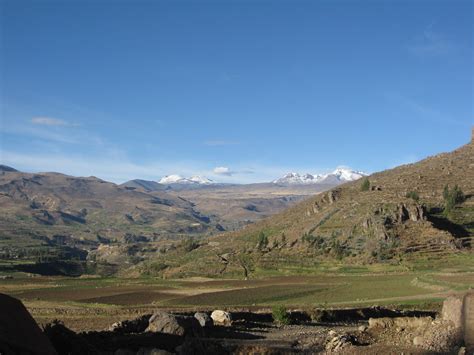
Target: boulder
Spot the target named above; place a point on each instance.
(452, 311)
(418, 341)
(221, 318)
(168, 323)
(204, 320)
(19, 333)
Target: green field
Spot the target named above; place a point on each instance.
(109, 299)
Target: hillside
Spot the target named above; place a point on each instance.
(56, 217)
(353, 226)
(84, 212)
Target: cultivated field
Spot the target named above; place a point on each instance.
(95, 303)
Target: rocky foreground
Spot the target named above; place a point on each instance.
(349, 331)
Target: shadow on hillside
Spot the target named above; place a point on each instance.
(442, 223)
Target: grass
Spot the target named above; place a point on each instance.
(333, 285)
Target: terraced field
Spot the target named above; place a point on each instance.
(95, 303)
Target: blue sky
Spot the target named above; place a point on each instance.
(142, 89)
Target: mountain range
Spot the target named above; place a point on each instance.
(340, 175)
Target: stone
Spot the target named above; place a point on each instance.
(204, 320)
(221, 318)
(340, 341)
(168, 323)
(362, 328)
(19, 333)
(418, 341)
(452, 311)
(468, 318)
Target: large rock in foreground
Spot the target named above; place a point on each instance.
(459, 312)
(19, 333)
(168, 323)
(221, 318)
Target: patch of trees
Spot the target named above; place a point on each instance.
(452, 197)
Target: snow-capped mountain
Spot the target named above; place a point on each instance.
(344, 174)
(340, 175)
(178, 179)
(297, 179)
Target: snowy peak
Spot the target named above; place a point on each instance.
(344, 174)
(201, 180)
(297, 179)
(339, 175)
(178, 179)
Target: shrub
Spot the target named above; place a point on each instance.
(153, 268)
(247, 263)
(262, 241)
(452, 197)
(365, 186)
(189, 244)
(338, 249)
(413, 195)
(280, 315)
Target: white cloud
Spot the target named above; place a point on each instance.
(222, 170)
(49, 121)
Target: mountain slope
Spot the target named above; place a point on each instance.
(48, 204)
(7, 169)
(381, 224)
(146, 185)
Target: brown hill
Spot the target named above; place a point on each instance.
(49, 204)
(401, 214)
